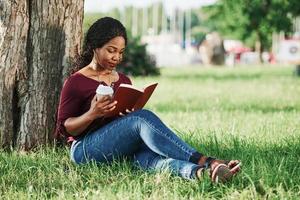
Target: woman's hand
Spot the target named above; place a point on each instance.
(101, 106)
(126, 112)
(76, 125)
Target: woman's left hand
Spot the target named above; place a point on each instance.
(126, 112)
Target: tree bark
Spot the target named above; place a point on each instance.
(38, 40)
(13, 30)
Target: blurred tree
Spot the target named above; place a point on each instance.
(252, 21)
(115, 13)
(294, 7)
(90, 18)
(195, 18)
(198, 31)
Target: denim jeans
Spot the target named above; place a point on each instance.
(140, 135)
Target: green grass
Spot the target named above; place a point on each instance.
(251, 114)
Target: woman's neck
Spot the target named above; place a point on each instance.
(100, 70)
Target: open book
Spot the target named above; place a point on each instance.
(129, 97)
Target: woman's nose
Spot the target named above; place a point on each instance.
(116, 57)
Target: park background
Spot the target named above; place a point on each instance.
(223, 89)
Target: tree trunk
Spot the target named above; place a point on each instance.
(38, 39)
(259, 46)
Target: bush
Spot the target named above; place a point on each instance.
(137, 62)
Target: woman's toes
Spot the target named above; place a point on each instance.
(235, 168)
(233, 163)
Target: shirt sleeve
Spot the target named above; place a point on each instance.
(69, 104)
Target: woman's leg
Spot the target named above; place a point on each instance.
(146, 159)
(125, 135)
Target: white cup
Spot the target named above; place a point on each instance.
(103, 90)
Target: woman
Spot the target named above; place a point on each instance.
(140, 135)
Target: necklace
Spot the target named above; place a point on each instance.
(109, 76)
(106, 75)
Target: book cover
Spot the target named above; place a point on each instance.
(130, 97)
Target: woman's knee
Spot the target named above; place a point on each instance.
(142, 117)
(144, 114)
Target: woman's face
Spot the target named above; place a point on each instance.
(111, 53)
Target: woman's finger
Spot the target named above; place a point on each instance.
(103, 99)
(235, 169)
(112, 104)
(103, 104)
(111, 109)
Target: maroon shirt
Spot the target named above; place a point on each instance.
(75, 99)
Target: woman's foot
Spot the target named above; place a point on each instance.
(220, 170)
(233, 165)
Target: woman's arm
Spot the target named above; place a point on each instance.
(76, 125)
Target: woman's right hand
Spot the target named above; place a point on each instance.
(100, 107)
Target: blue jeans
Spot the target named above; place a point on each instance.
(140, 135)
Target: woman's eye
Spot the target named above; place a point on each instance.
(110, 51)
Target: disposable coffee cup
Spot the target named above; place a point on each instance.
(103, 90)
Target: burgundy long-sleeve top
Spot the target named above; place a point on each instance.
(75, 99)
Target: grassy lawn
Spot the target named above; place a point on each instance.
(251, 114)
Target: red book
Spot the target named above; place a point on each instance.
(129, 97)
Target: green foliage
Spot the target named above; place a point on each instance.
(137, 62)
(251, 114)
(198, 32)
(89, 19)
(252, 20)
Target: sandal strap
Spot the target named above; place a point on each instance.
(199, 173)
(208, 162)
(224, 177)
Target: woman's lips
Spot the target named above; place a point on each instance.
(112, 64)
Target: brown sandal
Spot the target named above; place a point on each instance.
(221, 172)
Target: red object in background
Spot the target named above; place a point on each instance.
(239, 49)
(272, 59)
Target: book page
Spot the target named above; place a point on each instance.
(130, 86)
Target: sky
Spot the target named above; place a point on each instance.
(106, 5)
